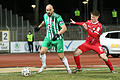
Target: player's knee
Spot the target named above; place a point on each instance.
(61, 55)
(104, 57)
(77, 52)
(43, 51)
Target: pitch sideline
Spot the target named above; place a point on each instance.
(18, 69)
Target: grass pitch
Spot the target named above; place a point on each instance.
(88, 74)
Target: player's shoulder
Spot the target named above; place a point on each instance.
(45, 14)
(99, 24)
(56, 15)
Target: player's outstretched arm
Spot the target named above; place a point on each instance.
(72, 22)
(77, 23)
(38, 27)
(42, 24)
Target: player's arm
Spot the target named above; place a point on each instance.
(77, 23)
(38, 28)
(84, 24)
(42, 24)
(95, 33)
(62, 25)
(62, 30)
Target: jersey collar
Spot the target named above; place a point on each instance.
(95, 22)
(52, 15)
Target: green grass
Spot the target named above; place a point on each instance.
(94, 74)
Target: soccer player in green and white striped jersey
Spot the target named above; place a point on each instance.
(55, 27)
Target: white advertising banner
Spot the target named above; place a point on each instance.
(21, 47)
(71, 45)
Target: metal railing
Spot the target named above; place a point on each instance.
(19, 28)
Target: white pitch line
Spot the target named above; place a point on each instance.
(56, 67)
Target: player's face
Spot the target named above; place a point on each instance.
(49, 10)
(94, 18)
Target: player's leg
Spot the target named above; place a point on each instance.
(98, 48)
(81, 49)
(107, 61)
(65, 62)
(45, 46)
(43, 55)
(43, 58)
(60, 50)
(77, 57)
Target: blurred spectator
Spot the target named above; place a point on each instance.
(114, 16)
(30, 39)
(77, 14)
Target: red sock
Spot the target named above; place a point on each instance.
(109, 64)
(77, 61)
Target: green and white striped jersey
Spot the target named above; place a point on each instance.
(53, 25)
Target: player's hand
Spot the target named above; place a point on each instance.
(36, 29)
(55, 37)
(72, 22)
(85, 26)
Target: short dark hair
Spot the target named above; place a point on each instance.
(96, 13)
(29, 31)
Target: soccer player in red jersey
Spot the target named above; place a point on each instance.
(93, 28)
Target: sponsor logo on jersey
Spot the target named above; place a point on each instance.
(48, 25)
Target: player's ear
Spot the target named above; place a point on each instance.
(97, 17)
(53, 10)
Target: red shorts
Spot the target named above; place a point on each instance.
(86, 47)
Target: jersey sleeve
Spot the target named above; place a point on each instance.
(79, 23)
(60, 21)
(96, 32)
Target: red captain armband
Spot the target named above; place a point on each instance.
(79, 23)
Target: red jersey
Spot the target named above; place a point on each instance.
(93, 31)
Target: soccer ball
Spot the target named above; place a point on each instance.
(26, 72)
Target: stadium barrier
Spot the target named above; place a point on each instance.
(22, 47)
